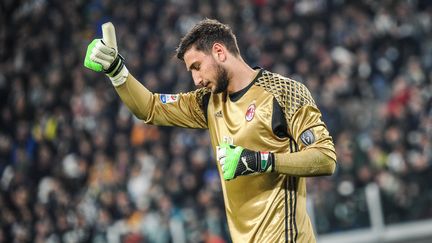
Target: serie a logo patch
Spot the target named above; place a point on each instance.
(307, 137)
(168, 98)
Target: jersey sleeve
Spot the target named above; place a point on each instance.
(181, 110)
(315, 154)
(309, 131)
(304, 120)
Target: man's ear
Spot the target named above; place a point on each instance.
(219, 52)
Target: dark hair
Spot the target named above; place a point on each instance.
(204, 34)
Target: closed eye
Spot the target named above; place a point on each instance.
(194, 66)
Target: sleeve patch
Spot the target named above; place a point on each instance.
(307, 137)
(168, 98)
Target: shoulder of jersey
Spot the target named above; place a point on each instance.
(200, 94)
(290, 94)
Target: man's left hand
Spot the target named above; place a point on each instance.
(236, 161)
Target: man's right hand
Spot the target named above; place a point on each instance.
(101, 57)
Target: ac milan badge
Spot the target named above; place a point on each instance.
(250, 112)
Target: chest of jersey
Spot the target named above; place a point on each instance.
(246, 122)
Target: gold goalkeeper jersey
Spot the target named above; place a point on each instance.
(274, 114)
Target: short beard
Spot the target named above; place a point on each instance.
(221, 79)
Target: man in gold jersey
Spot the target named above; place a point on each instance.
(266, 130)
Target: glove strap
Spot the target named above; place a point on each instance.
(252, 162)
(115, 67)
(120, 77)
(117, 72)
(265, 162)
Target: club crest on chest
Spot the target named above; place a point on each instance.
(250, 112)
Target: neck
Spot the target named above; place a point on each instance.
(240, 75)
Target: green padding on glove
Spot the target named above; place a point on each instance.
(88, 63)
(238, 161)
(231, 160)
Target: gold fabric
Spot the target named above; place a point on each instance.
(268, 207)
(186, 111)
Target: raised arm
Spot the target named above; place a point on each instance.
(184, 109)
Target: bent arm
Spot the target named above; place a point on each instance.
(315, 154)
(310, 162)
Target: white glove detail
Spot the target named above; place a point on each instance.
(221, 155)
(103, 54)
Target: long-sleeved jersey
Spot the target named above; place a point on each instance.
(274, 114)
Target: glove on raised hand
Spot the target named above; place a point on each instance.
(236, 161)
(102, 56)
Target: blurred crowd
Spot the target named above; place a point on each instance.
(76, 166)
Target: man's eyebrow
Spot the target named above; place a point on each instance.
(192, 66)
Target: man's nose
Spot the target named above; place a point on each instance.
(197, 78)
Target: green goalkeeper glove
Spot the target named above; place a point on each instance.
(236, 161)
(102, 56)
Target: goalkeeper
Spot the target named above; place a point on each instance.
(266, 130)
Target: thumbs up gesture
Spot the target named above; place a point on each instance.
(102, 56)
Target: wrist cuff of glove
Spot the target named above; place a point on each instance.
(120, 77)
(265, 161)
(252, 162)
(115, 67)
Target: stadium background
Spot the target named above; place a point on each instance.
(75, 166)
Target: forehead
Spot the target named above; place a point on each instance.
(193, 55)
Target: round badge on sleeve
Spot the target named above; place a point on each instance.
(250, 112)
(307, 137)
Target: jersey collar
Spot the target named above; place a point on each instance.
(237, 95)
